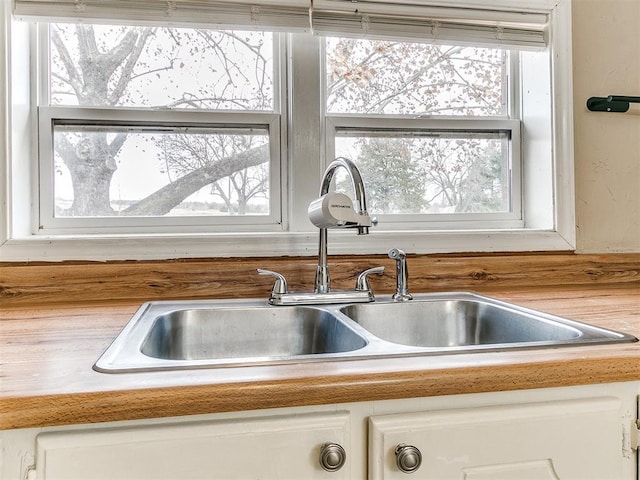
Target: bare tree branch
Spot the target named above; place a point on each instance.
(171, 195)
(75, 79)
(116, 144)
(132, 54)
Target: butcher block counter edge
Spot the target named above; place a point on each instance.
(47, 354)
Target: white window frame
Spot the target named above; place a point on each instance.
(300, 180)
(50, 224)
(356, 123)
(46, 223)
(483, 221)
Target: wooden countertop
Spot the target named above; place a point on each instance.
(47, 353)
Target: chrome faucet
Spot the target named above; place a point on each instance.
(363, 222)
(332, 210)
(402, 276)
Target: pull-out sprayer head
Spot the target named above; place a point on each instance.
(402, 275)
(396, 254)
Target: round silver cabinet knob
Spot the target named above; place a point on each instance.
(332, 457)
(408, 458)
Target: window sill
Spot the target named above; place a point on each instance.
(160, 247)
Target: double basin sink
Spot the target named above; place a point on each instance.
(204, 334)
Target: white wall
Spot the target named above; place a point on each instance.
(606, 61)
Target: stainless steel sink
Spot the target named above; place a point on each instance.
(458, 322)
(205, 334)
(228, 333)
(195, 334)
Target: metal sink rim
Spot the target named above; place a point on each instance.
(124, 354)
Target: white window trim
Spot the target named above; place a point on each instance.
(50, 224)
(301, 239)
(507, 220)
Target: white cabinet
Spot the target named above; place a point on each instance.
(585, 432)
(578, 439)
(254, 448)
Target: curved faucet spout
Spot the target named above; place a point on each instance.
(360, 203)
(323, 280)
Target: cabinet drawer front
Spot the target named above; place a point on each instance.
(577, 439)
(278, 447)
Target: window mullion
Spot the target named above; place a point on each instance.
(305, 136)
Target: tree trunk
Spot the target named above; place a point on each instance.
(92, 167)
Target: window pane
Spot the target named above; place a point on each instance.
(121, 66)
(383, 77)
(111, 171)
(435, 173)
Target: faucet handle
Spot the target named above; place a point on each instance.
(362, 283)
(281, 283)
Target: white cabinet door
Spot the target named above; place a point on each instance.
(282, 447)
(577, 439)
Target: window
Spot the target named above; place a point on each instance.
(215, 136)
(146, 128)
(431, 128)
